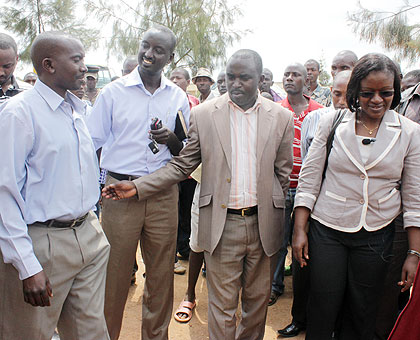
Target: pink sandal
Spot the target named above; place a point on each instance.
(185, 307)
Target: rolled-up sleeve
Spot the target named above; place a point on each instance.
(15, 243)
(310, 178)
(410, 192)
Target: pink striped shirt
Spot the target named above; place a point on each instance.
(243, 130)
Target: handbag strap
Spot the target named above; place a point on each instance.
(337, 120)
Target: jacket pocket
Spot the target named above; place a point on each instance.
(204, 201)
(332, 205)
(390, 204)
(278, 202)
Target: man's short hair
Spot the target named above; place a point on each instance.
(250, 54)
(313, 61)
(183, 71)
(46, 45)
(266, 70)
(415, 74)
(6, 42)
(167, 31)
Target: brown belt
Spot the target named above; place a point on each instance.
(63, 224)
(244, 211)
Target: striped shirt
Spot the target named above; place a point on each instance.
(243, 130)
(297, 158)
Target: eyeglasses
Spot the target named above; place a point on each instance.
(371, 94)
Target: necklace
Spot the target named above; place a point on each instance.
(370, 131)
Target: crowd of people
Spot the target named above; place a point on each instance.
(228, 181)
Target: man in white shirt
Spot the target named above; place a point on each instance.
(51, 241)
(120, 123)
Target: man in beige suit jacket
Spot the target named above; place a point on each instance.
(245, 145)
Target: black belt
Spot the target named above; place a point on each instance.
(122, 177)
(245, 211)
(64, 224)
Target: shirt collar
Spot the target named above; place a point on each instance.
(134, 79)
(251, 109)
(54, 100)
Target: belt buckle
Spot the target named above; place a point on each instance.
(243, 211)
(73, 223)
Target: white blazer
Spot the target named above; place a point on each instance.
(355, 195)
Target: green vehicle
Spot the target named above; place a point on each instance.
(104, 75)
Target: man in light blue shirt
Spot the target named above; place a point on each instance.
(310, 124)
(49, 238)
(120, 124)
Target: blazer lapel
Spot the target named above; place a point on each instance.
(388, 133)
(346, 136)
(221, 119)
(264, 125)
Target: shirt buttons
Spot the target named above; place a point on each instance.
(228, 180)
(362, 201)
(362, 176)
(223, 206)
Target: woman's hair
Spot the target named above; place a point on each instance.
(368, 63)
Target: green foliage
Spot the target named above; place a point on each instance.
(324, 75)
(391, 30)
(27, 18)
(202, 27)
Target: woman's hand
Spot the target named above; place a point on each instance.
(408, 272)
(412, 261)
(300, 247)
(300, 238)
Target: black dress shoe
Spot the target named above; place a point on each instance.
(291, 330)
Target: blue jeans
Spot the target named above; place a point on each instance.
(278, 284)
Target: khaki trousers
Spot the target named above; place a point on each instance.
(239, 262)
(74, 260)
(154, 222)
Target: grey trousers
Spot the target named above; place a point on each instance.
(154, 222)
(238, 262)
(74, 260)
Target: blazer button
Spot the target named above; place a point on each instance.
(362, 176)
(228, 180)
(223, 206)
(362, 201)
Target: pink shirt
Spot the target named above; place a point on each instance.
(243, 130)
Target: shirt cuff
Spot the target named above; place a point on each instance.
(29, 268)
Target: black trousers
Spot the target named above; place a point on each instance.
(392, 300)
(186, 194)
(347, 271)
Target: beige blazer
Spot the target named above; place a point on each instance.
(209, 142)
(355, 195)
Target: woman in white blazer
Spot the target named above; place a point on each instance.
(372, 175)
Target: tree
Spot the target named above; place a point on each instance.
(202, 27)
(392, 30)
(28, 18)
(324, 76)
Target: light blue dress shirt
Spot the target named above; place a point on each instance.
(120, 121)
(309, 128)
(49, 169)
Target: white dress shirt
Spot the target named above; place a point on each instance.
(243, 132)
(49, 169)
(120, 123)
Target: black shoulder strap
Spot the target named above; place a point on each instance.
(337, 120)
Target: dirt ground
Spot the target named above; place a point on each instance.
(196, 329)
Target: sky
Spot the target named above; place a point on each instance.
(284, 32)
